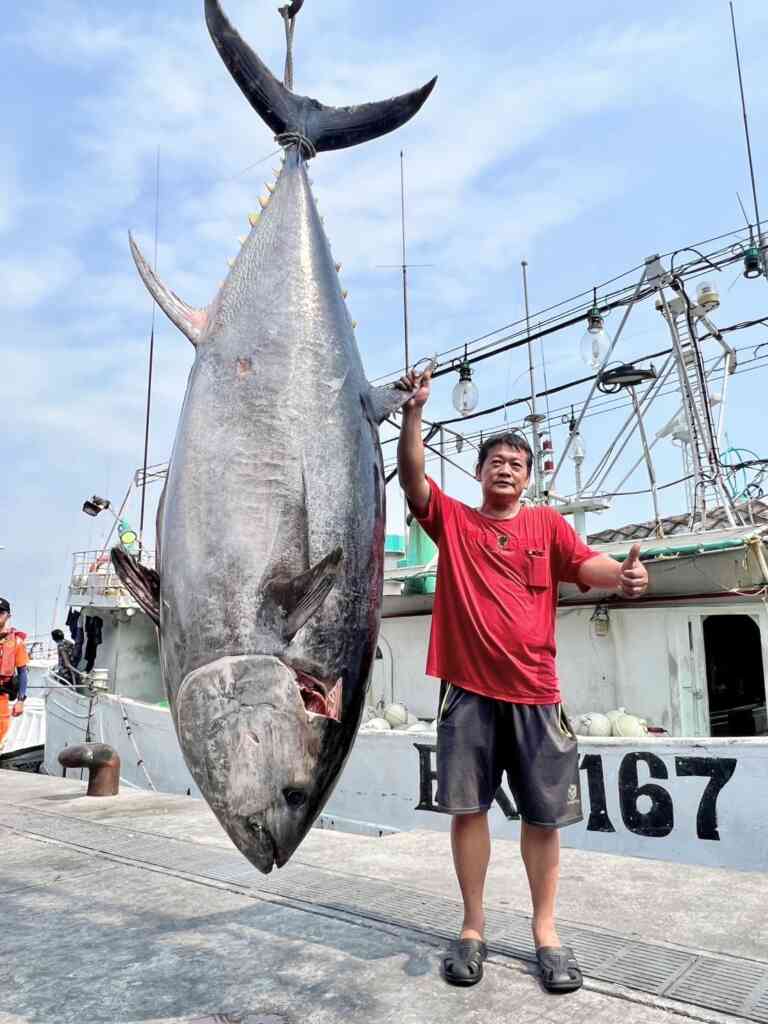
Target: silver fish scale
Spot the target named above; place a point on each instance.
(726, 984)
(276, 470)
(275, 462)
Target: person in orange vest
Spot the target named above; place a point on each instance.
(13, 670)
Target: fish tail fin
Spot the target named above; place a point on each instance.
(299, 120)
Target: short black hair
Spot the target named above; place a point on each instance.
(57, 635)
(510, 438)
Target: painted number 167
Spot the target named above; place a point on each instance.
(659, 819)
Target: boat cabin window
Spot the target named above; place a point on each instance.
(735, 679)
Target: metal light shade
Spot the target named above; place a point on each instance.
(94, 505)
(626, 376)
(752, 263)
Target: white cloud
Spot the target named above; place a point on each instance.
(33, 280)
(10, 194)
(509, 155)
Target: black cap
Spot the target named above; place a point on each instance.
(4, 606)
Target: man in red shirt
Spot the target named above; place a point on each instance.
(493, 645)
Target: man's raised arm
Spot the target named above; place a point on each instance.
(410, 448)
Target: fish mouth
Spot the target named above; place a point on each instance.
(321, 699)
(262, 850)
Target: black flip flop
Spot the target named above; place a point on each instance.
(560, 971)
(463, 963)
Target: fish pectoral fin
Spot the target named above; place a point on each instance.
(299, 597)
(189, 320)
(385, 401)
(140, 581)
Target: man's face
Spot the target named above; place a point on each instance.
(504, 474)
(4, 617)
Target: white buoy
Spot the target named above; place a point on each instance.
(629, 725)
(396, 715)
(594, 724)
(376, 725)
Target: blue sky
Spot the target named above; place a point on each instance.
(581, 143)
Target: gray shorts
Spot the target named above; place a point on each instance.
(479, 738)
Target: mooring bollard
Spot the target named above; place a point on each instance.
(102, 762)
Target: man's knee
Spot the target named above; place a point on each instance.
(470, 820)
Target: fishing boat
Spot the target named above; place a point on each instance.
(684, 666)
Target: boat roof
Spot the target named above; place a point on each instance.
(754, 514)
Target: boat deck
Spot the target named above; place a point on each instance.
(138, 909)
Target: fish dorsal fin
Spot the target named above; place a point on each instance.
(140, 581)
(299, 597)
(385, 401)
(301, 118)
(189, 320)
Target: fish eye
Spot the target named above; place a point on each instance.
(255, 824)
(295, 797)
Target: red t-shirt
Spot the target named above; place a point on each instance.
(493, 622)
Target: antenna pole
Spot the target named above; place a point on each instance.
(406, 346)
(746, 133)
(405, 263)
(151, 364)
(534, 419)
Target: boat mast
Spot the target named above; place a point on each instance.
(534, 418)
(683, 317)
(749, 144)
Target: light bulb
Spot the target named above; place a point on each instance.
(578, 451)
(465, 394)
(465, 397)
(594, 347)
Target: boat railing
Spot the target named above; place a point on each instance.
(40, 648)
(93, 575)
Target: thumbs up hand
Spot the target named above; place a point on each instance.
(633, 581)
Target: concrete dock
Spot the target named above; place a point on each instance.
(137, 908)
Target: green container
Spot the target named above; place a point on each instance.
(422, 584)
(394, 544)
(421, 550)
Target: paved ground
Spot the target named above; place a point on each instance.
(121, 938)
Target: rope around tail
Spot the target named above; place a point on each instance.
(306, 146)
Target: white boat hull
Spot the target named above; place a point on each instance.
(685, 800)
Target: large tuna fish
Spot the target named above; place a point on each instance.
(270, 531)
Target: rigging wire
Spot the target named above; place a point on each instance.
(573, 311)
(523, 400)
(151, 362)
(749, 366)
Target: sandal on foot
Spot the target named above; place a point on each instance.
(463, 963)
(560, 971)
